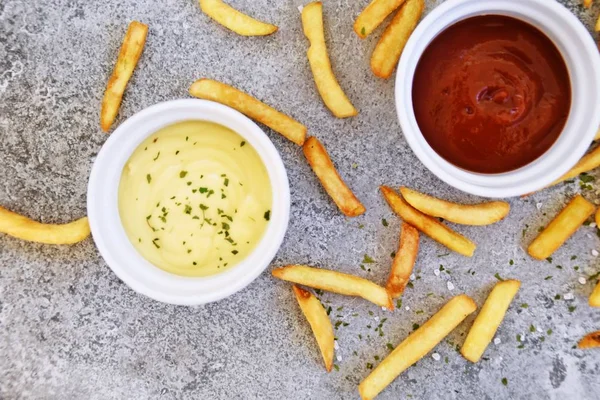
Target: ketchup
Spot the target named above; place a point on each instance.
(491, 94)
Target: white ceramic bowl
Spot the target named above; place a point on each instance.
(583, 62)
(108, 232)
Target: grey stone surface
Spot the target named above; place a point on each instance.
(69, 329)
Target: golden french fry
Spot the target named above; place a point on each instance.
(597, 137)
(589, 162)
(330, 179)
(389, 48)
(319, 323)
(336, 282)
(417, 345)
(373, 15)
(597, 218)
(595, 296)
(209, 89)
(428, 225)
(234, 20)
(591, 341)
(587, 3)
(331, 92)
(561, 228)
(476, 214)
(489, 319)
(24, 228)
(597, 29)
(130, 53)
(404, 261)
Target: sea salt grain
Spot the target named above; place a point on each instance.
(339, 358)
(569, 296)
(436, 272)
(450, 285)
(407, 308)
(336, 345)
(582, 280)
(593, 225)
(436, 356)
(595, 253)
(539, 206)
(497, 341)
(412, 277)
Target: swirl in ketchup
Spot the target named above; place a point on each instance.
(491, 94)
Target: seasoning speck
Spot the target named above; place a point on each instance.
(450, 285)
(582, 280)
(436, 356)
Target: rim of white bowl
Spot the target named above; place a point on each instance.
(109, 234)
(583, 62)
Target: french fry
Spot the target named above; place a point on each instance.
(489, 319)
(321, 164)
(404, 261)
(336, 282)
(319, 323)
(597, 137)
(595, 296)
(331, 92)
(591, 341)
(234, 20)
(597, 218)
(597, 29)
(417, 345)
(561, 228)
(428, 225)
(130, 53)
(389, 48)
(373, 15)
(24, 228)
(477, 214)
(209, 89)
(589, 162)
(587, 3)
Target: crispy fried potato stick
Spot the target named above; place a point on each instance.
(209, 89)
(404, 261)
(589, 162)
(428, 225)
(476, 214)
(587, 3)
(417, 345)
(24, 228)
(373, 15)
(319, 323)
(336, 282)
(595, 296)
(597, 137)
(389, 48)
(130, 53)
(591, 341)
(597, 218)
(489, 319)
(561, 228)
(234, 20)
(330, 179)
(331, 92)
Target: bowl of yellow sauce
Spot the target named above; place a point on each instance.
(188, 202)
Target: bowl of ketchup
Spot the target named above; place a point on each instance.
(499, 98)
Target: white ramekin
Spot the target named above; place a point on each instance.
(583, 61)
(108, 232)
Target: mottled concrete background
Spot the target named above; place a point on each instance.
(69, 329)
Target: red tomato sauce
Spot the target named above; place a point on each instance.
(491, 94)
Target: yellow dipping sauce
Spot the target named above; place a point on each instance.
(195, 198)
